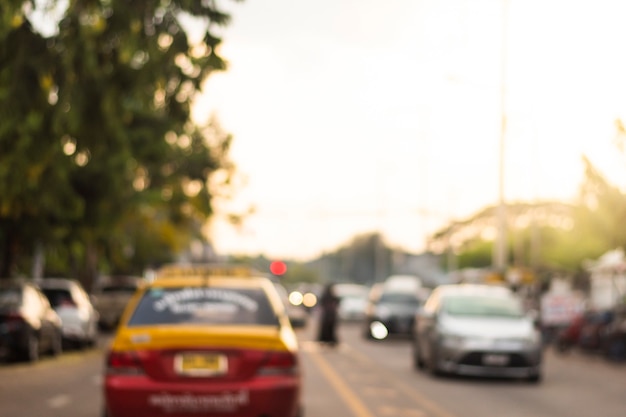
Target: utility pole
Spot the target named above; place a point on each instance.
(500, 248)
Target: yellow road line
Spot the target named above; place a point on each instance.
(411, 392)
(347, 395)
(422, 401)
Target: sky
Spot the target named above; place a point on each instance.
(358, 116)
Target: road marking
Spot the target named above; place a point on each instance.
(397, 412)
(411, 392)
(367, 377)
(347, 395)
(59, 401)
(309, 346)
(381, 392)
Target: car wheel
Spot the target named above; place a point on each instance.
(93, 337)
(32, 348)
(418, 362)
(535, 378)
(91, 342)
(433, 366)
(367, 333)
(57, 345)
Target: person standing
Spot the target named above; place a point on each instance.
(329, 306)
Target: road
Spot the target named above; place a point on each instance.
(357, 379)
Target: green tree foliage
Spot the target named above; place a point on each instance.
(602, 212)
(476, 254)
(298, 272)
(565, 238)
(99, 158)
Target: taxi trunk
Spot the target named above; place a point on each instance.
(185, 371)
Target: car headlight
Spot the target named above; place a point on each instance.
(530, 341)
(452, 340)
(378, 330)
(533, 341)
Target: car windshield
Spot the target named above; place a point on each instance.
(210, 305)
(398, 298)
(477, 305)
(354, 297)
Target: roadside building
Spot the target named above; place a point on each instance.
(607, 281)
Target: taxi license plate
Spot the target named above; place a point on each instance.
(200, 364)
(495, 360)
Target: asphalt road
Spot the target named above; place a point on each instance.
(359, 378)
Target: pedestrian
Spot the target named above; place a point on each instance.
(329, 306)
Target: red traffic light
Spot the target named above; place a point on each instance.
(278, 267)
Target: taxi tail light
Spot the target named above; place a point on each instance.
(13, 320)
(279, 363)
(67, 302)
(127, 363)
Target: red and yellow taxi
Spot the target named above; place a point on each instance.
(204, 340)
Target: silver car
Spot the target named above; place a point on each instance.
(478, 330)
(111, 295)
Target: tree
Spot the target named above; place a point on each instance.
(37, 199)
(602, 207)
(99, 126)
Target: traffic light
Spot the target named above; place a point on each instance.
(278, 267)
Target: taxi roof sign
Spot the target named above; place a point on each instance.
(205, 270)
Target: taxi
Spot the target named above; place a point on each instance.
(204, 340)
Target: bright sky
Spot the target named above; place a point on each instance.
(352, 116)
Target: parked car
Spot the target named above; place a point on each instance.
(111, 294)
(29, 326)
(73, 305)
(204, 341)
(614, 338)
(298, 316)
(477, 330)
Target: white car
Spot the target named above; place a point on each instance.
(352, 301)
(79, 318)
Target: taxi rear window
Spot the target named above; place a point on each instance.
(205, 305)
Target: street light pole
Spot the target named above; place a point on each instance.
(500, 248)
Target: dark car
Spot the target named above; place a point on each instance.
(28, 324)
(391, 311)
